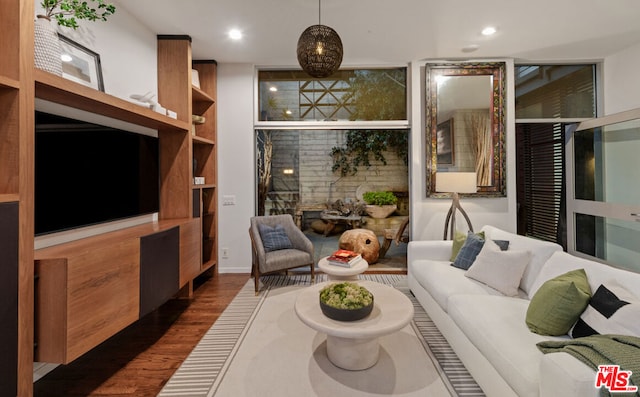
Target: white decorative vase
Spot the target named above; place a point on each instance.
(47, 46)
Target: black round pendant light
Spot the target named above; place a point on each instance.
(319, 50)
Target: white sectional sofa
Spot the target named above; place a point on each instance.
(487, 329)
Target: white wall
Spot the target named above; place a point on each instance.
(427, 214)
(621, 81)
(127, 51)
(236, 165)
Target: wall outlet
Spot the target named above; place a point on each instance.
(225, 253)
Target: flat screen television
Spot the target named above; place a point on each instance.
(87, 174)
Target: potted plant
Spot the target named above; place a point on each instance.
(380, 204)
(66, 13)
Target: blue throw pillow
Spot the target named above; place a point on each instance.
(274, 238)
(471, 248)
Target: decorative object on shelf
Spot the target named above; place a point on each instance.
(454, 183)
(380, 204)
(319, 49)
(195, 78)
(80, 64)
(198, 180)
(346, 301)
(48, 50)
(195, 119)
(47, 46)
(66, 11)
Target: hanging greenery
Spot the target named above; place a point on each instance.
(363, 146)
(375, 95)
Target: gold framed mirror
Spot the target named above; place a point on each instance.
(466, 124)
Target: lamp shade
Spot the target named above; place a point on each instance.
(456, 182)
(319, 51)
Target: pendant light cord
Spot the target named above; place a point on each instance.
(319, 12)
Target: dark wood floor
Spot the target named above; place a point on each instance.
(139, 360)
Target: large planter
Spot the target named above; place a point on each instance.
(47, 46)
(380, 211)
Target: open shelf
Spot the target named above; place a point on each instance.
(202, 141)
(204, 186)
(201, 101)
(60, 90)
(9, 82)
(9, 198)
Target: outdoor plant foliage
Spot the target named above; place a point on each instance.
(363, 145)
(374, 95)
(379, 198)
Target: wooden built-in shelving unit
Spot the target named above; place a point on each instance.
(88, 290)
(134, 270)
(66, 92)
(16, 197)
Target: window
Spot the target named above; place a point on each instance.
(348, 95)
(318, 140)
(548, 99)
(605, 207)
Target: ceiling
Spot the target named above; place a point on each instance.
(378, 32)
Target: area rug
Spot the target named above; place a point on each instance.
(258, 347)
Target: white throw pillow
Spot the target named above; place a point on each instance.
(500, 270)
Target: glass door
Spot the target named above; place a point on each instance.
(603, 211)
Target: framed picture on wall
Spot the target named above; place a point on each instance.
(444, 149)
(80, 64)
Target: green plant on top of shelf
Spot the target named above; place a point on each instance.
(67, 11)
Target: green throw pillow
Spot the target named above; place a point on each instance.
(558, 304)
(458, 241)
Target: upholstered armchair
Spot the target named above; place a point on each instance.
(278, 245)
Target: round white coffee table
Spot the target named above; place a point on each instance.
(335, 272)
(353, 345)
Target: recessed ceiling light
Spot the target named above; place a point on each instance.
(489, 30)
(235, 34)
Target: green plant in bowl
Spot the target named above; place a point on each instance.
(380, 198)
(380, 204)
(346, 301)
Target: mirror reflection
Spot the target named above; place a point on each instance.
(465, 123)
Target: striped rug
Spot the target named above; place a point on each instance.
(204, 369)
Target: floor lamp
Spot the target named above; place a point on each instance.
(454, 183)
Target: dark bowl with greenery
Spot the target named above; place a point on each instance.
(346, 301)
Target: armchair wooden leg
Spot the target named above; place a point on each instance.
(256, 276)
